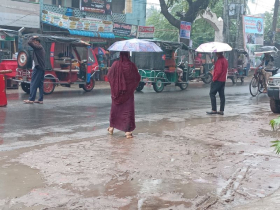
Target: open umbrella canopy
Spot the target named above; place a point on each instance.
(135, 45)
(212, 47)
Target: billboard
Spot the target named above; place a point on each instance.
(146, 32)
(253, 33)
(19, 14)
(185, 30)
(125, 30)
(66, 22)
(97, 6)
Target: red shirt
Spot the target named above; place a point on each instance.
(220, 70)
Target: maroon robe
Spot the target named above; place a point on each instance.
(124, 78)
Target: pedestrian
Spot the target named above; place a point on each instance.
(124, 78)
(38, 73)
(218, 83)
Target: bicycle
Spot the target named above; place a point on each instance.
(257, 84)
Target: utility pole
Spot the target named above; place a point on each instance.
(226, 22)
(275, 17)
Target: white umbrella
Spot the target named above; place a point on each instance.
(212, 47)
(135, 45)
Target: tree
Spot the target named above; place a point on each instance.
(189, 11)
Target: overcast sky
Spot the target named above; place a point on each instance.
(260, 6)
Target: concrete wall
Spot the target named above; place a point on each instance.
(138, 17)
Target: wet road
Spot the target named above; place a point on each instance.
(72, 111)
(58, 156)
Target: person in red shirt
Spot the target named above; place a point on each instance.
(218, 83)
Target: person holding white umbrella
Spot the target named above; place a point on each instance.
(219, 75)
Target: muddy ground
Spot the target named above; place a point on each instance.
(179, 158)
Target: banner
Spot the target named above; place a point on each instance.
(146, 32)
(185, 30)
(125, 30)
(97, 6)
(19, 14)
(253, 33)
(76, 23)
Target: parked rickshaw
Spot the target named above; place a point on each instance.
(237, 65)
(200, 70)
(164, 68)
(68, 61)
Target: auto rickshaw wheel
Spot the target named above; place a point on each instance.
(140, 86)
(158, 86)
(89, 86)
(25, 87)
(207, 79)
(274, 105)
(183, 86)
(49, 85)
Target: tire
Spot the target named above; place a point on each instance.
(207, 79)
(89, 86)
(23, 59)
(140, 86)
(183, 86)
(49, 85)
(158, 86)
(261, 87)
(25, 87)
(254, 86)
(275, 105)
(242, 80)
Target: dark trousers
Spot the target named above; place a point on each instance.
(37, 81)
(219, 87)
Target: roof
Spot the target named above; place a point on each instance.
(10, 33)
(61, 39)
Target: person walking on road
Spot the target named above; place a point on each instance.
(124, 78)
(37, 79)
(218, 83)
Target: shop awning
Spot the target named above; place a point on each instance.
(92, 34)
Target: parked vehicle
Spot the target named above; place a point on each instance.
(237, 65)
(68, 61)
(195, 73)
(164, 68)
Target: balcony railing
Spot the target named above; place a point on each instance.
(120, 18)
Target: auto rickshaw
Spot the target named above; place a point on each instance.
(68, 61)
(201, 70)
(237, 65)
(164, 68)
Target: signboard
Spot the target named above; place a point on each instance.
(185, 30)
(97, 6)
(253, 33)
(125, 30)
(19, 14)
(74, 23)
(146, 32)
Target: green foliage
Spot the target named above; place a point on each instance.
(276, 144)
(274, 123)
(201, 30)
(268, 18)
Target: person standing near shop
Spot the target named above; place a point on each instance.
(38, 73)
(218, 83)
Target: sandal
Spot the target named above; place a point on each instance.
(38, 102)
(110, 130)
(28, 102)
(211, 112)
(128, 135)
